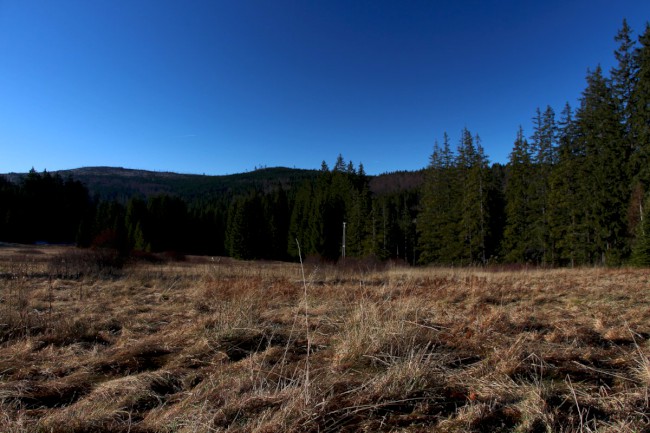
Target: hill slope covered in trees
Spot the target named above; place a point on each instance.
(245, 215)
(573, 193)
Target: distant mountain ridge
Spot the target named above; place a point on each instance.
(117, 183)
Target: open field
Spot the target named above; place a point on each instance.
(211, 346)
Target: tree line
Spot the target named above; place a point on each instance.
(261, 223)
(575, 192)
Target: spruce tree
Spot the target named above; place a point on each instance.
(623, 77)
(641, 94)
(236, 232)
(543, 158)
(167, 223)
(451, 189)
(640, 129)
(518, 242)
(135, 222)
(437, 220)
(379, 228)
(604, 180)
(474, 218)
(358, 216)
(299, 225)
(566, 193)
(430, 217)
(276, 209)
(339, 165)
(247, 231)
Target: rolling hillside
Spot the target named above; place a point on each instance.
(122, 183)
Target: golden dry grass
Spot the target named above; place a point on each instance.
(222, 346)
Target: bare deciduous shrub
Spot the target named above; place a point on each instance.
(97, 262)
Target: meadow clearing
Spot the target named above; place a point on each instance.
(217, 345)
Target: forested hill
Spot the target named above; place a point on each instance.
(121, 184)
(255, 215)
(575, 192)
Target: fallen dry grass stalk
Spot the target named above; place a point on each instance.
(226, 346)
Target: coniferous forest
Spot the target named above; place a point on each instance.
(575, 191)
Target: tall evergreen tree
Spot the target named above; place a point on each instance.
(276, 207)
(166, 223)
(518, 242)
(565, 217)
(437, 221)
(339, 165)
(207, 225)
(429, 219)
(357, 216)
(604, 178)
(9, 196)
(299, 224)
(623, 77)
(247, 229)
(408, 235)
(135, 222)
(328, 213)
(109, 230)
(451, 190)
(320, 210)
(380, 221)
(640, 128)
(543, 157)
(474, 218)
(496, 211)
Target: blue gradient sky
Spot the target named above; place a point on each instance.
(220, 87)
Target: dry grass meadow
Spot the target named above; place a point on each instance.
(224, 346)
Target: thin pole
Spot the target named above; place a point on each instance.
(343, 239)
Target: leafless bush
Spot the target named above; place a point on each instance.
(17, 319)
(76, 263)
(362, 264)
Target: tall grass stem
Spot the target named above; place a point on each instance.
(304, 284)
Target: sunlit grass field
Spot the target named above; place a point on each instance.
(88, 344)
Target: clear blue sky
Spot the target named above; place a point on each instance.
(220, 87)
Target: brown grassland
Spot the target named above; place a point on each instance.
(224, 346)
